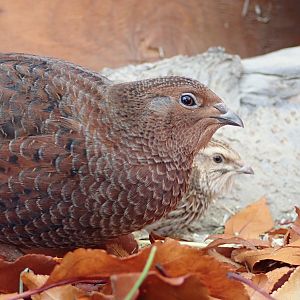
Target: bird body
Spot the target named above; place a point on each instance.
(84, 159)
(214, 169)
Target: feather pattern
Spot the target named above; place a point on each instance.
(214, 170)
(83, 159)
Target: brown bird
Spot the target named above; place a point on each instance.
(84, 159)
(214, 170)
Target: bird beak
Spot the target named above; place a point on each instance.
(227, 116)
(246, 170)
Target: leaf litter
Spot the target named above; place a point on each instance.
(253, 259)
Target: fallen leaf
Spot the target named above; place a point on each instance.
(10, 271)
(230, 239)
(156, 286)
(260, 281)
(278, 231)
(184, 287)
(250, 222)
(221, 258)
(294, 231)
(290, 289)
(265, 282)
(8, 296)
(66, 292)
(289, 255)
(176, 261)
(254, 287)
(122, 284)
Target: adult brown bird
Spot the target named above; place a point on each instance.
(214, 169)
(84, 159)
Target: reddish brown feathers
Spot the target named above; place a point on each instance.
(84, 160)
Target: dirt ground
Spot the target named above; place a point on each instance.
(265, 91)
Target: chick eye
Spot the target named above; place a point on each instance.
(218, 159)
(188, 100)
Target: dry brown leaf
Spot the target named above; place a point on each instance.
(66, 292)
(290, 289)
(265, 282)
(156, 286)
(10, 271)
(260, 281)
(122, 284)
(222, 258)
(7, 296)
(278, 231)
(95, 296)
(276, 277)
(295, 244)
(294, 234)
(176, 261)
(88, 262)
(289, 255)
(184, 287)
(294, 231)
(250, 222)
(227, 239)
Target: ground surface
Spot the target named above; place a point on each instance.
(265, 91)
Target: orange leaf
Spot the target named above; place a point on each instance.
(10, 271)
(290, 289)
(184, 287)
(265, 282)
(66, 292)
(7, 296)
(122, 284)
(289, 255)
(230, 239)
(250, 222)
(175, 261)
(260, 281)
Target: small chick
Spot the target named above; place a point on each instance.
(214, 170)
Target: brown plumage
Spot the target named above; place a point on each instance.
(214, 169)
(84, 159)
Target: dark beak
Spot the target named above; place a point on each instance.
(227, 117)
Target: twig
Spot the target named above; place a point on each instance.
(143, 275)
(53, 285)
(248, 282)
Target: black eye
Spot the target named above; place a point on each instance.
(218, 158)
(188, 100)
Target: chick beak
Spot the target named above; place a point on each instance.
(227, 116)
(246, 170)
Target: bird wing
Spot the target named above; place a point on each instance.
(46, 107)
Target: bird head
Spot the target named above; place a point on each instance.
(216, 167)
(175, 115)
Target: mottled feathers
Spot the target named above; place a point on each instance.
(83, 159)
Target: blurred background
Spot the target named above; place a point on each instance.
(106, 33)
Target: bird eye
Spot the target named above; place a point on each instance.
(218, 159)
(188, 100)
